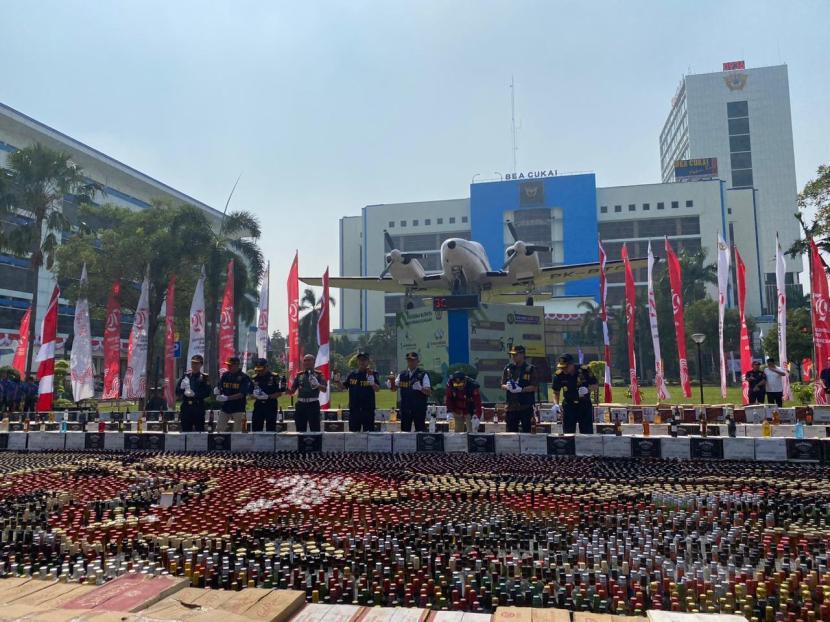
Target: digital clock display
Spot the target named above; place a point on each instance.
(450, 303)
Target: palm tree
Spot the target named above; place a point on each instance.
(310, 307)
(41, 181)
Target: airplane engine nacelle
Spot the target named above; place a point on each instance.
(407, 271)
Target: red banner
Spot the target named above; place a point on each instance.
(226, 321)
(806, 369)
(630, 324)
(821, 315)
(46, 355)
(112, 346)
(293, 318)
(676, 282)
(746, 350)
(169, 346)
(22, 344)
(603, 315)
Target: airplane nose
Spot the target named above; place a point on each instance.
(450, 245)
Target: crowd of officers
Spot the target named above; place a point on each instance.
(572, 387)
(17, 396)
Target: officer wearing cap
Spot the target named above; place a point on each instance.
(518, 381)
(194, 389)
(575, 383)
(267, 389)
(362, 385)
(463, 400)
(232, 392)
(757, 383)
(307, 386)
(415, 389)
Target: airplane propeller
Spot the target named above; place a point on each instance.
(519, 247)
(393, 255)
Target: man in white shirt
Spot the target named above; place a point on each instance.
(775, 382)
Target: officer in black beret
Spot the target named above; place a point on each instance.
(267, 389)
(415, 389)
(518, 381)
(194, 389)
(575, 383)
(362, 385)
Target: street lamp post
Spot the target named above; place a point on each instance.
(699, 338)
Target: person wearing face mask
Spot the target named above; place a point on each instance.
(307, 386)
(415, 389)
(362, 385)
(194, 389)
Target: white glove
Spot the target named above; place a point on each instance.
(583, 391)
(262, 396)
(312, 380)
(515, 388)
(184, 385)
(216, 391)
(555, 409)
(222, 398)
(370, 379)
(416, 386)
(188, 392)
(388, 384)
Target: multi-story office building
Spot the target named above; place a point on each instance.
(121, 185)
(742, 117)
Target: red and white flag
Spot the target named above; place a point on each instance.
(169, 345)
(659, 377)
(806, 369)
(112, 345)
(746, 351)
(262, 323)
(723, 284)
(780, 286)
(135, 377)
(821, 315)
(80, 361)
(227, 317)
(603, 315)
(46, 354)
(293, 286)
(322, 361)
(630, 324)
(19, 362)
(676, 283)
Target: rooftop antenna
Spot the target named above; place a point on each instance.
(513, 120)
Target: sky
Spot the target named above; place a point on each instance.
(324, 107)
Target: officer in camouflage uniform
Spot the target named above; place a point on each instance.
(575, 383)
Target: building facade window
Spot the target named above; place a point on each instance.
(631, 207)
(740, 145)
(646, 207)
(603, 209)
(661, 205)
(391, 224)
(464, 219)
(439, 221)
(403, 223)
(675, 204)
(452, 220)
(427, 222)
(415, 223)
(690, 203)
(617, 208)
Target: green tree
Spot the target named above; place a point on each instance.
(310, 307)
(277, 351)
(40, 182)
(815, 197)
(799, 338)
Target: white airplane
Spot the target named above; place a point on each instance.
(466, 270)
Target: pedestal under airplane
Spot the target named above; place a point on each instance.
(466, 270)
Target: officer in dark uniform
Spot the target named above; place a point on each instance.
(232, 392)
(30, 394)
(757, 382)
(518, 381)
(576, 382)
(267, 389)
(194, 389)
(362, 385)
(307, 385)
(415, 390)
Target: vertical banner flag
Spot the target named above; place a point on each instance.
(293, 319)
(723, 284)
(806, 369)
(780, 286)
(196, 343)
(322, 361)
(603, 315)
(659, 377)
(226, 323)
(746, 350)
(135, 377)
(80, 360)
(262, 324)
(676, 283)
(630, 305)
(19, 362)
(169, 345)
(821, 316)
(46, 354)
(112, 345)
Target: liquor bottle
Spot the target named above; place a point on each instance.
(704, 425)
(617, 425)
(432, 420)
(646, 427)
(102, 426)
(766, 428)
(731, 427)
(139, 424)
(776, 417)
(799, 429)
(674, 426)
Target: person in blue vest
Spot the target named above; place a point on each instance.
(4, 379)
(29, 390)
(415, 390)
(518, 381)
(194, 389)
(14, 393)
(362, 386)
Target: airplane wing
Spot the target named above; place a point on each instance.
(432, 284)
(553, 275)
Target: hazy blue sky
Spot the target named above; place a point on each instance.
(326, 107)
